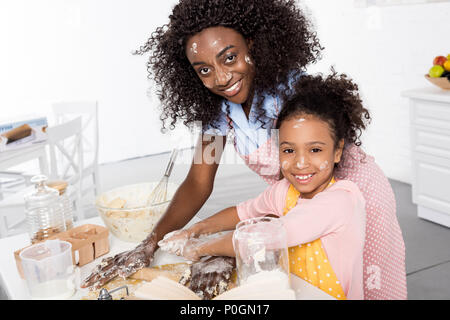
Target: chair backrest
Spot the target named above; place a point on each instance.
(66, 159)
(88, 110)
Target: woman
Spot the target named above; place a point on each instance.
(228, 64)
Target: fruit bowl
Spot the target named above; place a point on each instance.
(125, 211)
(441, 82)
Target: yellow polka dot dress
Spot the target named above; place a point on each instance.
(309, 260)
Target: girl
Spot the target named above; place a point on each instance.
(228, 64)
(324, 217)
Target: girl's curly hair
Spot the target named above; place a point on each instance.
(283, 44)
(334, 99)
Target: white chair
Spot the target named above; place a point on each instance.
(88, 110)
(67, 159)
(68, 166)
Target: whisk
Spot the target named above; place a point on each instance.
(159, 194)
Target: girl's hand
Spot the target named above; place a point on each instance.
(210, 276)
(183, 243)
(175, 241)
(192, 251)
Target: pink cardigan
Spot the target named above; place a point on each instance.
(336, 216)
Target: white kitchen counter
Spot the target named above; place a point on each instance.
(16, 288)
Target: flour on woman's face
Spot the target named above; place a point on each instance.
(194, 48)
(215, 42)
(248, 60)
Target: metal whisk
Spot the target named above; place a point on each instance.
(159, 194)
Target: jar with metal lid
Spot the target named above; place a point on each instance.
(44, 211)
(61, 187)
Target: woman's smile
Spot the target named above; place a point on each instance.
(234, 89)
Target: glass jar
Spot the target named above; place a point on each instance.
(61, 187)
(44, 211)
(261, 251)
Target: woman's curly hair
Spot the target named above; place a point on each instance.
(334, 99)
(283, 44)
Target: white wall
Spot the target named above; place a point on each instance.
(54, 50)
(385, 50)
(80, 49)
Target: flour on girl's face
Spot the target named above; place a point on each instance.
(301, 164)
(298, 123)
(285, 164)
(325, 165)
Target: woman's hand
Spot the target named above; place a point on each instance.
(123, 264)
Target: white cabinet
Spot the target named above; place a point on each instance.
(430, 145)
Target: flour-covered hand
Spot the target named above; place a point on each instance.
(193, 249)
(211, 275)
(174, 241)
(123, 264)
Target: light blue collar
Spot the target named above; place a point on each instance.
(271, 105)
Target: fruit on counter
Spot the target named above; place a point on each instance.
(446, 65)
(439, 60)
(439, 73)
(436, 71)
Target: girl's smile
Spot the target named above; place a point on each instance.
(306, 151)
(220, 58)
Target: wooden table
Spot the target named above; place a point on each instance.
(16, 288)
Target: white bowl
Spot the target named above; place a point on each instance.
(130, 219)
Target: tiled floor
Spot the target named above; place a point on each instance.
(427, 249)
(427, 244)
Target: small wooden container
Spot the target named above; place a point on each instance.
(89, 242)
(441, 82)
